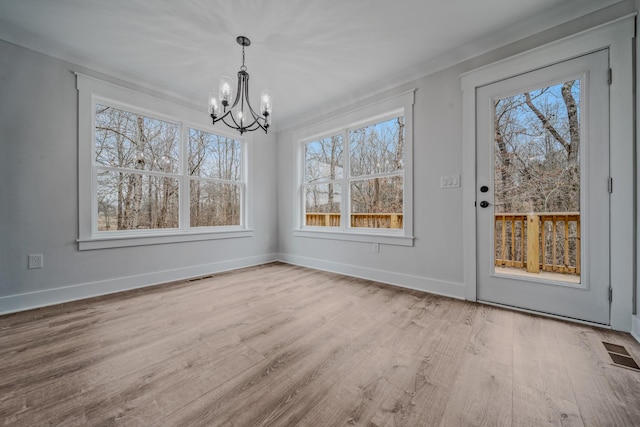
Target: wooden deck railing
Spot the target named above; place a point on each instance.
(323, 219)
(538, 241)
(365, 220)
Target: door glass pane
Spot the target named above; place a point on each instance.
(537, 183)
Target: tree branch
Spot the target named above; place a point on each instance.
(545, 122)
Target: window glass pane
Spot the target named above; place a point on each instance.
(377, 202)
(130, 201)
(133, 141)
(322, 204)
(323, 159)
(537, 175)
(377, 148)
(214, 204)
(214, 156)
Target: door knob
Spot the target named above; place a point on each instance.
(484, 204)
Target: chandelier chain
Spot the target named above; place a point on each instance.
(243, 67)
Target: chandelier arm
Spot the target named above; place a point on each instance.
(235, 123)
(238, 91)
(236, 126)
(256, 121)
(246, 95)
(216, 119)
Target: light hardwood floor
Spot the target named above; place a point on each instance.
(282, 345)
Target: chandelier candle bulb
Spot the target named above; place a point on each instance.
(225, 90)
(214, 106)
(266, 102)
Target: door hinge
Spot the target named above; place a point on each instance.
(610, 76)
(610, 294)
(610, 185)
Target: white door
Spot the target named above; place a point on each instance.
(543, 190)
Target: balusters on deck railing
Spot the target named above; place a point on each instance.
(323, 219)
(363, 220)
(552, 241)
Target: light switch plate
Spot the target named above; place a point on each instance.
(450, 181)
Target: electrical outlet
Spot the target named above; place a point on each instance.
(35, 261)
(376, 248)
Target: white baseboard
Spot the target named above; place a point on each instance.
(30, 300)
(425, 284)
(635, 327)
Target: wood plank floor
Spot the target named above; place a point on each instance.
(279, 345)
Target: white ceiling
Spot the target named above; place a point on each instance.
(311, 54)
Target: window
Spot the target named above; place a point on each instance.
(136, 164)
(153, 174)
(376, 167)
(355, 181)
(323, 168)
(215, 166)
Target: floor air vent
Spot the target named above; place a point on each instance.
(620, 356)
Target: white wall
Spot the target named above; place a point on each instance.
(435, 262)
(39, 199)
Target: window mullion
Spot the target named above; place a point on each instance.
(378, 175)
(346, 190)
(136, 171)
(185, 183)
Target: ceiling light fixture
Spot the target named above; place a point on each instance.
(240, 115)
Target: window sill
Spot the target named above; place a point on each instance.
(386, 239)
(105, 242)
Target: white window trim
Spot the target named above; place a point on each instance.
(400, 104)
(91, 91)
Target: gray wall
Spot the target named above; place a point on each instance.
(435, 262)
(39, 199)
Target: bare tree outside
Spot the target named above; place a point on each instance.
(138, 165)
(537, 160)
(377, 161)
(324, 171)
(215, 186)
(136, 158)
(537, 171)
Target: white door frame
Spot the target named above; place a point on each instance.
(617, 36)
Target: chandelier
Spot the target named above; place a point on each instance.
(240, 115)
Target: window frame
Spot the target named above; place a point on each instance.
(92, 91)
(385, 109)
